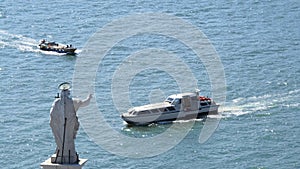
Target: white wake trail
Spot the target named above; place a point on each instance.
(241, 106)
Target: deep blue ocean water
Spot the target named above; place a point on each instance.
(257, 42)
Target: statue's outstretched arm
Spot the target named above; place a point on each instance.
(86, 102)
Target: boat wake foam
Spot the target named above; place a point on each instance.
(22, 43)
(241, 106)
(17, 41)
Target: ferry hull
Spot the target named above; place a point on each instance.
(169, 117)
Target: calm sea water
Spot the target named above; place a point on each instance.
(257, 42)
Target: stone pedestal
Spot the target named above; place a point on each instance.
(65, 159)
(48, 165)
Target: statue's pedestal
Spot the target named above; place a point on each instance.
(48, 165)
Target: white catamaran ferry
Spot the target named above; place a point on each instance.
(175, 107)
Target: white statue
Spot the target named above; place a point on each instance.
(64, 124)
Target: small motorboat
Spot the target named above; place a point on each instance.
(55, 47)
(182, 106)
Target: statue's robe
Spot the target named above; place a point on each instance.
(64, 124)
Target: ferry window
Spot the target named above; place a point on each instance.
(169, 99)
(153, 111)
(177, 101)
(170, 108)
(143, 112)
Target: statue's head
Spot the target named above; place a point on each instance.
(65, 89)
(65, 93)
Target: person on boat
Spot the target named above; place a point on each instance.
(42, 42)
(64, 124)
